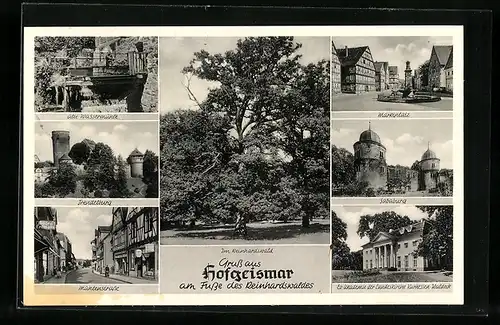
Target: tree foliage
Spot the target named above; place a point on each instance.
(437, 243)
(424, 73)
(100, 172)
(61, 182)
(343, 172)
(371, 225)
(79, 153)
(258, 147)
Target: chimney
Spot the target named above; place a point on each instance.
(346, 51)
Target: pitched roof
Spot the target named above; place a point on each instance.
(136, 153)
(449, 63)
(353, 55)
(442, 52)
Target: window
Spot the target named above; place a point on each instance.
(371, 264)
(433, 165)
(399, 246)
(415, 243)
(406, 261)
(406, 245)
(399, 261)
(414, 262)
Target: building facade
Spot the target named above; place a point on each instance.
(336, 71)
(396, 249)
(369, 160)
(135, 241)
(47, 245)
(381, 76)
(437, 62)
(448, 72)
(393, 77)
(142, 231)
(102, 255)
(119, 241)
(357, 69)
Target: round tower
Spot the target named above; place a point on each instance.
(136, 160)
(60, 145)
(429, 169)
(369, 159)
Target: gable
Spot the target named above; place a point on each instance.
(381, 237)
(441, 53)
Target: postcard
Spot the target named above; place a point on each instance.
(270, 165)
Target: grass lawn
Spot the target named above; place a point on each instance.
(258, 233)
(390, 277)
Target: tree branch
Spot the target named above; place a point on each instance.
(191, 96)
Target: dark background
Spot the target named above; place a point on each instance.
(477, 74)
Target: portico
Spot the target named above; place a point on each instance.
(380, 253)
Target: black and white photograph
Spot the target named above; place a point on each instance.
(244, 139)
(96, 74)
(384, 158)
(389, 73)
(99, 245)
(392, 244)
(96, 159)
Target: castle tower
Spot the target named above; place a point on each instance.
(60, 145)
(136, 160)
(429, 169)
(369, 159)
(408, 83)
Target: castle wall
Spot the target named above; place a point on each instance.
(60, 145)
(414, 182)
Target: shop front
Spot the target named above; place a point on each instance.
(120, 265)
(143, 261)
(46, 260)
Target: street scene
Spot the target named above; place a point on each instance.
(244, 140)
(392, 244)
(392, 74)
(113, 245)
(96, 160)
(96, 74)
(388, 158)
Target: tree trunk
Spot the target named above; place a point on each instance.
(240, 228)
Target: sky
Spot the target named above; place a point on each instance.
(78, 224)
(177, 52)
(404, 140)
(122, 136)
(351, 215)
(396, 49)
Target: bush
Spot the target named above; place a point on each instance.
(98, 194)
